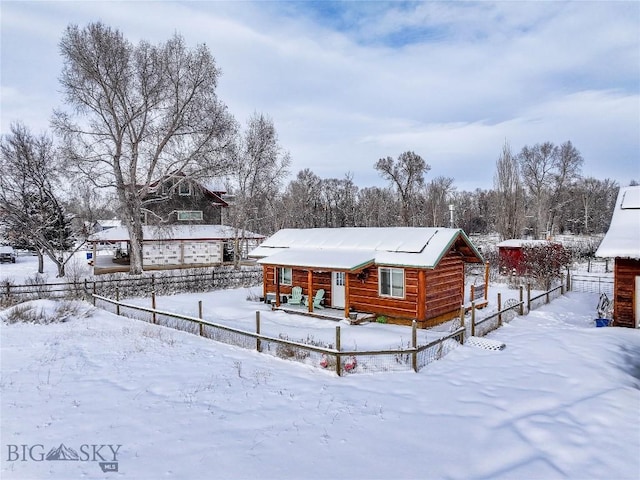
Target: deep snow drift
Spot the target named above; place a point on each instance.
(561, 401)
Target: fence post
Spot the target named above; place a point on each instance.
(462, 324)
(153, 282)
(414, 344)
(338, 359)
(499, 309)
(153, 306)
(521, 300)
(568, 280)
(94, 293)
(117, 301)
(528, 297)
(258, 342)
(200, 317)
(473, 319)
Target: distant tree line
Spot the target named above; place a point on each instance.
(137, 114)
(537, 193)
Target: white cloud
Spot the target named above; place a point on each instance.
(467, 77)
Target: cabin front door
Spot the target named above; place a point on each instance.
(337, 289)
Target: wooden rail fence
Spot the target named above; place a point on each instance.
(328, 356)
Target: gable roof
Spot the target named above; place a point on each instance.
(353, 248)
(173, 232)
(211, 187)
(623, 237)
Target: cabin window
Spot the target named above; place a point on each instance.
(184, 189)
(285, 276)
(186, 215)
(391, 282)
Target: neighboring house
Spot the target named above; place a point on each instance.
(171, 247)
(511, 254)
(403, 273)
(622, 243)
(180, 200)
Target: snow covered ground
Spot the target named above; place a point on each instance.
(561, 401)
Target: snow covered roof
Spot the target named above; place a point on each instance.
(173, 232)
(109, 223)
(623, 237)
(355, 247)
(517, 243)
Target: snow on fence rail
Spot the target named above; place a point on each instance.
(512, 307)
(329, 356)
(162, 284)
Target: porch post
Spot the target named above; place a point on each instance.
(311, 294)
(277, 273)
(421, 309)
(346, 294)
(264, 282)
(486, 281)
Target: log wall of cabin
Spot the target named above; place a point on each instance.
(363, 295)
(445, 286)
(625, 272)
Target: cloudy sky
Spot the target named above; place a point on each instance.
(349, 82)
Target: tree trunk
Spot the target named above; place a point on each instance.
(135, 248)
(60, 264)
(40, 261)
(133, 220)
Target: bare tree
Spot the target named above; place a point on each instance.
(144, 113)
(509, 195)
(548, 171)
(88, 205)
(568, 164)
(259, 166)
(438, 197)
(407, 176)
(32, 210)
(593, 204)
(377, 207)
(472, 211)
(339, 201)
(537, 165)
(302, 201)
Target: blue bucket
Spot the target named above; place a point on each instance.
(602, 322)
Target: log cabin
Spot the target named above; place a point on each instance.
(401, 274)
(622, 243)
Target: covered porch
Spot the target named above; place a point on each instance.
(331, 271)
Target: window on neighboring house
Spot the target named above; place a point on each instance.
(184, 188)
(285, 276)
(391, 282)
(186, 215)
